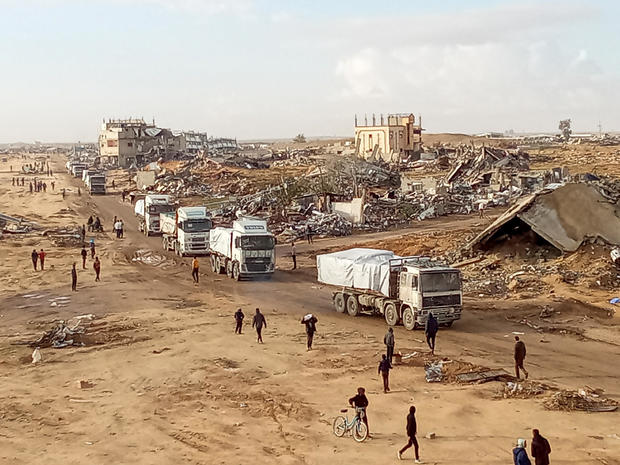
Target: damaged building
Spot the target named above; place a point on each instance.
(396, 138)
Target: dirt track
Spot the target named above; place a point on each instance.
(172, 383)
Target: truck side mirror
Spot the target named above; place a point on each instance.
(237, 242)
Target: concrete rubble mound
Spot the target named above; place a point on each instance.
(585, 399)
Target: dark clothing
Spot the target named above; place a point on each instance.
(35, 259)
(73, 279)
(310, 325)
(390, 353)
(84, 254)
(294, 262)
(309, 339)
(194, 274)
(432, 326)
(520, 456)
(413, 441)
(239, 316)
(384, 368)
(412, 430)
(258, 322)
(97, 268)
(359, 400)
(520, 350)
(388, 340)
(540, 450)
(92, 250)
(430, 340)
(386, 381)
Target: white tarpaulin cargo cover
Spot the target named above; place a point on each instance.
(357, 268)
(220, 241)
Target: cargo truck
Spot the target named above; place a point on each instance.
(245, 250)
(96, 183)
(148, 210)
(401, 289)
(186, 231)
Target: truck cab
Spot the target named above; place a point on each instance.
(149, 210)
(186, 231)
(424, 287)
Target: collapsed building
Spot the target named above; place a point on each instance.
(392, 140)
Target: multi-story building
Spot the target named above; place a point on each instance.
(194, 142)
(119, 140)
(392, 140)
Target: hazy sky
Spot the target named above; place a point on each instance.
(274, 68)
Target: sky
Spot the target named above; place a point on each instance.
(275, 68)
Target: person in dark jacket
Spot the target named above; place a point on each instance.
(97, 268)
(84, 254)
(360, 401)
(430, 329)
(388, 340)
(540, 448)
(35, 258)
(384, 369)
(520, 357)
(258, 322)
(73, 278)
(310, 321)
(412, 430)
(239, 316)
(519, 454)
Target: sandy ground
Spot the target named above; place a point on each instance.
(171, 383)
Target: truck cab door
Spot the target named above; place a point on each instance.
(404, 290)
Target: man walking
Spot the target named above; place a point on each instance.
(294, 255)
(310, 321)
(384, 369)
(520, 357)
(388, 340)
(540, 448)
(258, 322)
(42, 259)
(309, 234)
(73, 278)
(92, 248)
(239, 316)
(83, 232)
(97, 268)
(35, 258)
(195, 270)
(412, 430)
(430, 329)
(84, 254)
(360, 402)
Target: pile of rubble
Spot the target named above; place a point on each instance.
(585, 399)
(471, 164)
(68, 236)
(320, 224)
(522, 390)
(64, 334)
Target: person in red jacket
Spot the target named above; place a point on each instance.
(42, 259)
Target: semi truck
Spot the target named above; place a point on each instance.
(96, 183)
(245, 250)
(186, 231)
(401, 289)
(148, 211)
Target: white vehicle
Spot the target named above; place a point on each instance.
(247, 249)
(148, 210)
(186, 231)
(78, 168)
(96, 183)
(402, 289)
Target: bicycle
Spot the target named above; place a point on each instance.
(356, 427)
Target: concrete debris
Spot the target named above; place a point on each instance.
(64, 334)
(434, 372)
(319, 224)
(585, 399)
(522, 390)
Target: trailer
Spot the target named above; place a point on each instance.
(401, 289)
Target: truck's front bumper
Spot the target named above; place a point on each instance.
(442, 314)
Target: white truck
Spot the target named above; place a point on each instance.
(247, 249)
(95, 182)
(148, 210)
(186, 231)
(401, 289)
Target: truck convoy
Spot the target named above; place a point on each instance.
(402, 289)
(247, 249)
(186, 231)
(148, 210)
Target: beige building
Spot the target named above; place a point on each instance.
(392, 140)
(118, 140)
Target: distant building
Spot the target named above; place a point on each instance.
(119, 140)
(194, 142)
(391, 140)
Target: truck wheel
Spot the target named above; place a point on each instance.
(353, 307)
(236, 272)
(408, 319)
(340, 302)
(229, 267)
(391, 314)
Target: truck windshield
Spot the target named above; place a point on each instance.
(197, 225)
(154, 209)
(441, 281)
(257, 242)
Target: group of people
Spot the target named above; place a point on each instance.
(540, 450)
(38, 257)
(84, 255)
(131, 195)
(35, 185)
(94, 225)
(118, 227)
(258, 322)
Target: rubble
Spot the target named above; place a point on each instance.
(585, 399)
(63, 334)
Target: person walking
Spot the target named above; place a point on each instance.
(481, 207)
(195, 269)
(309, 234)
(84, 254)
(519, 454)
(430, 329)
(294, 255)
(258, 322)
(35, 258)
(122, 230)
(97, 268)
(42, 259)
(31, 188)
(388, 340)
(83, 233)
(384, 370)
(540, 448)
(412, 431)
(310, 321)
(53, 185)
(117, 228)
(239, 316)
(123, 195)
(90, 223)
(520, 357)
(73, 278)
(360, 402)
(92, 248)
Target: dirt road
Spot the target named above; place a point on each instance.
(170, 382)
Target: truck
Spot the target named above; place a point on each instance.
(78, 168)
(186, 231)
(245, 250)
(95, 182)
(401, 289)
(148, 210)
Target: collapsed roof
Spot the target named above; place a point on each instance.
(565, 217)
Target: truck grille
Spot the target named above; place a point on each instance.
(257, 264)
(441, 300)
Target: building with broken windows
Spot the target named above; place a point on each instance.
(393, 139)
